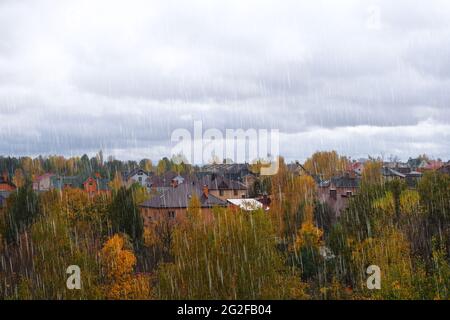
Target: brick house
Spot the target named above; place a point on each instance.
(338, 190)
(173, 203)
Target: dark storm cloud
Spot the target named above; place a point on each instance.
(79, 76)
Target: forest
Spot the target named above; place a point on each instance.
(295, 250)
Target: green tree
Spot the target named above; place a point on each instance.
(125, 216)
(22, 210)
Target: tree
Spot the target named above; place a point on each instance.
(55, 247)
(118, 264)
(22, 210)
(116, 183)
(125, 216)
(371, 174)
(231, 257)
(19, 178)
(326, 164)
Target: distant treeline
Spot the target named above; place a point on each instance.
(84, 165)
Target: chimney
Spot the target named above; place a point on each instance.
(205, 190)
(333, 194)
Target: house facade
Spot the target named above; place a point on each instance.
(172, 204)
(43, 183)
(92, 185)
(138, 176)
(338, 190)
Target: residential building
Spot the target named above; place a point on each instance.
(138, 176)
(43, 183)
(224, 188)
(172, 204)
(93, 185)
(338, 190)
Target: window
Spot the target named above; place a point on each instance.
(235, 192)
(221, 192)
(140, 179)
(172, 214)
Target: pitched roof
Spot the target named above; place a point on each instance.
(445, 169)
(216, 182)
(246, 204)
(345, 182)
(128, 175)
(389, 172)
(180, 196)
(58, 182)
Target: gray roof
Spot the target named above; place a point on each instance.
(215, 182)
(179, 197)
(345, 182)
(389, 172)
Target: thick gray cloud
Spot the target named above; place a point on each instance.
(360, 77)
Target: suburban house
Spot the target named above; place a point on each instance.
(173, 203)
(42, 183)
(6, 187)
(92, 185)
(356, 167)
(338, 190)
(164, 182)
(137, 176)
(390, 174)
(224, 188)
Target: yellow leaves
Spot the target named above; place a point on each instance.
(118, 260)
(309, 235)
(326, 164)
(19, 178)
(390, 251)
(410, 202)
(371, 174)
(117, 182)
(118, 264)
(385, 204)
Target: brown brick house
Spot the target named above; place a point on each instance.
(337, 191)
(224, 188)
(173, 203)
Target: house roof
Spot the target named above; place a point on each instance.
(345, 182)
(6, 185)
(216, 182)
(179, 197)
(59, 182)
(445, 169)
(134, 172)
(226, 168)
(246, 204)
(389, 172)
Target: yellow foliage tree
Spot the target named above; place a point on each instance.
(118, 263)
(391, 252)
(117, 182)
(372, 173)
(326, 164)
(19, 178)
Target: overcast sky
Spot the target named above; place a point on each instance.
(360, 77)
